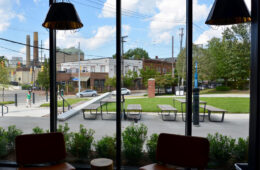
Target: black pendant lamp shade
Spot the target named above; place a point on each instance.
(62, 16)
(226, 12)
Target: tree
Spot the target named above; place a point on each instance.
(137, 54)
(43, 76)
(4, 72)
(110, 82)
(129, 78)
(146, 74)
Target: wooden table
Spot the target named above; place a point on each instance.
(101, 164)
(106, 101)
(134, 108)
(183, 101)
(167, 108)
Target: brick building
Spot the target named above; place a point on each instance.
(159, 65)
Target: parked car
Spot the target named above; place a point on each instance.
(124, 91)
(87, 92)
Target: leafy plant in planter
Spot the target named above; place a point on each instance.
(134, 137)
(11, 134)
(151, 146)
(37, 130)
(221, 148)
(3, 144)
(240, 151)
(106, 147)
(80, 143)
(67, 135)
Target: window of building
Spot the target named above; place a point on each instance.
(102, 68)
(92, 69)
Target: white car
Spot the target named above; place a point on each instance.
(124, 91)
(87, 92)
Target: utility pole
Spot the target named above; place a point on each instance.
(172, 56)
(122, 58)
(181, 38)
(79, 69)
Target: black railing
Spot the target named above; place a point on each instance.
(63, 103)
(3, 109)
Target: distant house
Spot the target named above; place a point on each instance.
(94, 72)
(162, 66)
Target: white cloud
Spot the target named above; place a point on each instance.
(126, 29)
(7, 13)
(36, 1)
(128, 6)
(172, 13)
(66, 39)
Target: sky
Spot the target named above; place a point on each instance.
(149, 24)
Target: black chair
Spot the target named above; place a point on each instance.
(180, 151)
(41, 152)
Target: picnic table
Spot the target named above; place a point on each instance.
(167, 108)
(214, 109)
(134, 108)
(183, 101)
(105, 102)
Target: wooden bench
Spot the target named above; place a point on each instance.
(90, 108)
(215, 110)
(167, 108)
(134, 108)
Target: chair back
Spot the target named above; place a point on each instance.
(40, 148)
(184, 151)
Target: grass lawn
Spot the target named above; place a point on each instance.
(231, 104)
(70, 101)
(7, 102)
(214, 91)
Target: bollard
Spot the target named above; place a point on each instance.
(46, 96)
(15, 99)
(2, 110)
(33, 98)
(196, 118)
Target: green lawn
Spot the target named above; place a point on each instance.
(70, 101)
(231, 104)
(7, 102)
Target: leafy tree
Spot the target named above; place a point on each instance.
(129, 78)
(43, 76)
(110, 83)
(4, 72)
(147, 73)
(137, 54)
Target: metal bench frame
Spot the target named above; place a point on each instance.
(137, 115)
(90, 108)
(174, 110)
(212, 110)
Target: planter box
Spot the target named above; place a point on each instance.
(241, 166)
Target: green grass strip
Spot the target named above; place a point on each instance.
(70, 101)
(231, 104)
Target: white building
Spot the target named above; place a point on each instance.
(107, 65)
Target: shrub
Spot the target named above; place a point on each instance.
(133, 141)
(240, 151)
(37, 130)
(106, 147)
(3, 146)
(11, 134)
(221, 148)
(222, 88)
(81, 143)
(26, 87)
(151, 146)
(67, 135)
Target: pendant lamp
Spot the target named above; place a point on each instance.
(62, 16)
(226, 12)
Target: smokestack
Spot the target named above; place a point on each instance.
(28, 52)
(35, 49)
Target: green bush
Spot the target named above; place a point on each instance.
(222, 88)
(3, 146)
(67, 135)
(80, 144)
(240, 151)
(11, 134)
(221, 149)
(37, 130)
(151, 146)
(106, 147)
(133, 141)
(26, 87)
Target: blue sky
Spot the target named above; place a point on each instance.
(149, 24)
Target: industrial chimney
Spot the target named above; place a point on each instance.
(35, 49)
(28, 52)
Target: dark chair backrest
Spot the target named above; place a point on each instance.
(40, 148)
(183, 151)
